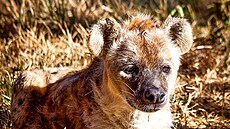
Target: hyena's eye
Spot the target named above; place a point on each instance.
(131, 69)
(166, 69)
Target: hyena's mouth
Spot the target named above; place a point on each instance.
(152, 107)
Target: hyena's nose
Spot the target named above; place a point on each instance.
(153, 95)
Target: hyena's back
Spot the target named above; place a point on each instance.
(28, 93)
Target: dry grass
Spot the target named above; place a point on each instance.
(46, 34)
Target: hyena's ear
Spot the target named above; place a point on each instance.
(180, 32)
(102, 36)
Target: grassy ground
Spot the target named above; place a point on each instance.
(54, 33)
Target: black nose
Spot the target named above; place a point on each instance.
(153, 95)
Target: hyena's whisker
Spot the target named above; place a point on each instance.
(127, 92)
(127, 86)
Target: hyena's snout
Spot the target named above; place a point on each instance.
(153, 95)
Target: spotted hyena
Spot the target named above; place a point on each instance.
(127, 85)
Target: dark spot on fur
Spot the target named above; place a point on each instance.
(14, 110)
(20, 102)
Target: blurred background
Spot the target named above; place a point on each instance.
(53, 33)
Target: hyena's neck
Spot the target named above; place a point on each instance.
(114, 108)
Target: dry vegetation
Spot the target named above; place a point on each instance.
(53, 33)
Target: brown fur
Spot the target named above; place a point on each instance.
(131, 59)
(141, 22)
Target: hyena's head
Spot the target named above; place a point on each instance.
(140, 59)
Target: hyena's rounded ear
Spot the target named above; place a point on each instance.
(102, 36)
(180, 32)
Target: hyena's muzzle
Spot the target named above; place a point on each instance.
(150, 93)
(150, 98)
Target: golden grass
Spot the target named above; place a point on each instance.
(46, 34)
